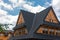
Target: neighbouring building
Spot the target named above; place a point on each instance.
(40, 26)
(5, 35)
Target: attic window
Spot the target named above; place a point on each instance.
(51, 20)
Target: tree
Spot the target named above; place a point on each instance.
(1, 29)
(4, 27)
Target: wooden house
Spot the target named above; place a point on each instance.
(43, 25)
(5, 35)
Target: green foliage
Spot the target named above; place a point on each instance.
(1, 29)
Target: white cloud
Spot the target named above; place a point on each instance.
(26, 5)
(56, 6)
(17, 3)
(5, 5)
(33, 9)
(13, 1)
(5, 18)
(47, 4)
(14, 4)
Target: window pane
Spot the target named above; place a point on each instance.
(45, 32)
(58, 32)
(52, 33)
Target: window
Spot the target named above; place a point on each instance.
(50, 20)
(45, 29)
(1, 34)
(45, 32)
(51, 31)
(58, 32)
(17, 34)
(9, 35)
(21, 31)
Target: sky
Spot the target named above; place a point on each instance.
(9, 9)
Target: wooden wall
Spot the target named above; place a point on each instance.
(21, 30)
(49, 30)
(51, 17)
(20, 19)
(3, 37)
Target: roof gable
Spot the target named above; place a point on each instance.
(51, 17)
(28, 19)
(20, 19)
(40, 18)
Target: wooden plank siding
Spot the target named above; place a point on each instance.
(5, 37)
(20, 19)
(51, 17)
(50, 30)
(20, 31)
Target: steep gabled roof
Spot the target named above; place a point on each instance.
(33, 22)
(28, 19)
(40, 18)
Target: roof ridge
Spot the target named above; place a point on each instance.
(26, 11)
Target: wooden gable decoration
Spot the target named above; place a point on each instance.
(51, 17)
(20, 19)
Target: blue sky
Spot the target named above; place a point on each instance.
(39, 2)
(9, 9)
(16, 10)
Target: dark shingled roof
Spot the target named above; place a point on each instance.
(28, 19)
(20, 26)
